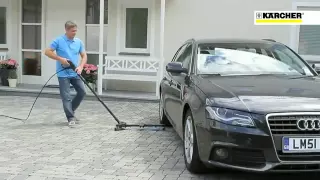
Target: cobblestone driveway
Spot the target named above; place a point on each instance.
(44, 148)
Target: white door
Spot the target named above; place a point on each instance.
(32, 41)
(56, 16)
(42, 21)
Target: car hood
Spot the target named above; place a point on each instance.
(263, 94)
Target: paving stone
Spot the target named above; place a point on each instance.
(4, 176)
(45, 148)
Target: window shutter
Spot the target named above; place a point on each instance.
(309, 36)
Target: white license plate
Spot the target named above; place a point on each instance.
(300, 145)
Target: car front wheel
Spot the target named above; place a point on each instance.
(191, 154)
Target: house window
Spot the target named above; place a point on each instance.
(136, 30)
(3, 26)
(309, 37)
(92, 30)
(31, 32)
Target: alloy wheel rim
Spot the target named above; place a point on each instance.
(188, 140)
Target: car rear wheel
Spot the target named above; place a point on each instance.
(191, 153)
(163, 118)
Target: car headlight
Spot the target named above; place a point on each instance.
(231, 117)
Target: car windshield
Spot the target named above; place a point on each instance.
(249, 59)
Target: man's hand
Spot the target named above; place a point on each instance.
(79, 69)
(64, 62)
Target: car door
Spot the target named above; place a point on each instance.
(178, 81)
(168, 89)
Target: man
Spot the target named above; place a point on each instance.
(68, 47)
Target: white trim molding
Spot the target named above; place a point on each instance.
(162, 25)
(96, 25)
(306, 4)
(121, 27)
(95, 52)
(101, 28)
(295, 30)
(4, 45)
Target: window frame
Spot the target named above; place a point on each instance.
(42, 42)
(7, 33)
(122, 27)
(104, 32)
(295, 31)
(106, 5)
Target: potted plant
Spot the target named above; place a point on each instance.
(11, 66)
(89, 73)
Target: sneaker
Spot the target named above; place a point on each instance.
(77, 120)
(71, 123)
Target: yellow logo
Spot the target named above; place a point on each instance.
(263, 17)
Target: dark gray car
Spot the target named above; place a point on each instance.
(244, 104)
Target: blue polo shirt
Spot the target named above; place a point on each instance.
(69, 49)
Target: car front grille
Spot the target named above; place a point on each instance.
(298, 156)
(288, 124)
(298, 167)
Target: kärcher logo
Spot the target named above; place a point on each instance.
(266, 15)
(286, 17)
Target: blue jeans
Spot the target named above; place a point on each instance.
(69, 104)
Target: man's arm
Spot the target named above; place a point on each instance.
(50, 51)
(83, 55)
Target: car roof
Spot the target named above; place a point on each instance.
(235, 40)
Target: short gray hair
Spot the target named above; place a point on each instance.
(70, 24)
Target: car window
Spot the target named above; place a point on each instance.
(292, 61)
(185, 57)
(179, 52)
(249, 59)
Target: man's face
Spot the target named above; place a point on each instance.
(71, 33)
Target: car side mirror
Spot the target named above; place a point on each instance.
(176, 67)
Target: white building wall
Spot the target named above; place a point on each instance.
(219, 19)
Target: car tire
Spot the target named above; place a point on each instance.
(163, 118)
(190, 145)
